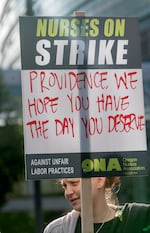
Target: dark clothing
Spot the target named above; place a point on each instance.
(131, 218)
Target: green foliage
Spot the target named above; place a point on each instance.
(18, 222)
(4, 95)
(24, 222)
(11, 144)
(11, 159)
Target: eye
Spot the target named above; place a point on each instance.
(75, 183)
(64, 186)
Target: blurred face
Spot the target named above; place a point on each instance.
(72, 192)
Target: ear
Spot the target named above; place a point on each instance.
(101, 182)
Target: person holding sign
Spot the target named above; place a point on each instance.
(108, 215)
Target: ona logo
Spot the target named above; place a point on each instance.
(103, 164)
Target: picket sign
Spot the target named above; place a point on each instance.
(86, 206)
(115, 124)
(86, 194)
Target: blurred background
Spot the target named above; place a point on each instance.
(26, 206)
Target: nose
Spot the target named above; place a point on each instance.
(68, 191)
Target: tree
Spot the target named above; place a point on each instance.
(11, 144)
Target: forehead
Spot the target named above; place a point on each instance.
(70, 180)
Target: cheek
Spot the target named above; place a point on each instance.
(65, 194)
(78, 188)
(78, 191)
(94, 192)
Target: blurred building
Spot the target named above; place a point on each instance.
(9, 39)
(11, 10)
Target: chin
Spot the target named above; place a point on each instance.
(77, 207)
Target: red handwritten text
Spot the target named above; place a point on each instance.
(40, 106)
(113, 103)
(65, 126)
(125, 123)
(71, 80)
(127, 80)
(92, 126)
(78, 103)
(38, 128)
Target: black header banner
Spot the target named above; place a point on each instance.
(70, 42)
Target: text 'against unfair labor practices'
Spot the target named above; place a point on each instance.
(81, 75)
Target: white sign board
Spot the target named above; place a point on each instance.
(107, 116)
(82, 88)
